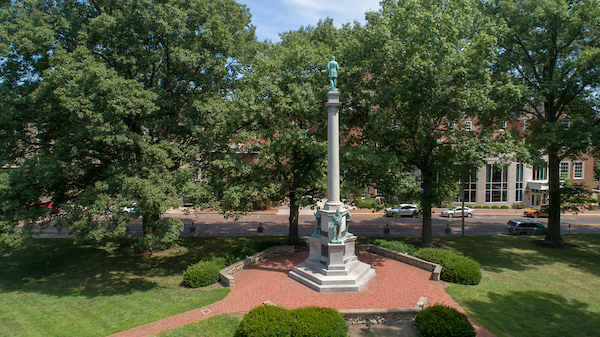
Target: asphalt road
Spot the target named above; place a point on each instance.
(363, 225)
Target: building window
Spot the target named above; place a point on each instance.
(503, 125)
(468, 125)
(564, 170)
(451, 125)
(496, 187)
(519, 183)
(524, 125)
(540, 173)
(469, 189)
(578, 170)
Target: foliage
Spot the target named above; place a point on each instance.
(398, 246)
(281, 119)
(366, 203)
(440, 320)
(253, 247)
(267, 321)
(504, 207)
(315, 321)
(416, 71)
(550, 48)
(203, 273)
(455, 268)
(495, 207)
(518, 205)
(113, 104)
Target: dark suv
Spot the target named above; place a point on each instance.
(526, 227)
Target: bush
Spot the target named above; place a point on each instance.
(477, 206)
(319, 322)
(443, 321)
(203, 273)
(503, 207)
(495, 207)
(267, 321)
(251, 248)
(455, 268)
(519, 205)
(397, 246)
(486, 207)
(366, 203)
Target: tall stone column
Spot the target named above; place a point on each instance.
(333, 151)
(332, 265)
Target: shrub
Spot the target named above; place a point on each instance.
(267, 321)
(486, 207)
(495, 207)
(366, 203)
(319, 322)
(440, 320)
(519, 205)
(251, 248)
(503, 207)
(203, 273)
(455, 268)
(397, 246)
(477, 206)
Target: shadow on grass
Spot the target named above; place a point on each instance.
(535, 314)
(58, 267)
(519, 253)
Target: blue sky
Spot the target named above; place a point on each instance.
(271, 17)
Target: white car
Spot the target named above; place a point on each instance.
(457, 211)
(403, 210)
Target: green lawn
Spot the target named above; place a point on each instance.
(528, 290)
(57, 289)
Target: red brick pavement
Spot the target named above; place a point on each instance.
(395, 285)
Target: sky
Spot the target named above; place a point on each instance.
(271, 17)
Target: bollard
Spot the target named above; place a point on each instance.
(448, 229)
(192, 228)
(386, 230)
(260, 228)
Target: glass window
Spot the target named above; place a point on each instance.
(468, 125)
(496, 187)
(540, 173)
(564, 170)
(578, 170)
(519, 183)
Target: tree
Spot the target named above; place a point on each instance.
(419, 69)
(284, 121)
(109, 102)
(552, 48)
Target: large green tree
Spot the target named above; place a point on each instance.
(552, 48)
(109, 102)
(417, 71)
(283, 121)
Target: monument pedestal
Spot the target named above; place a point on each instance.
(332, 265)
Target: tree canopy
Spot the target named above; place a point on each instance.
(106, 103)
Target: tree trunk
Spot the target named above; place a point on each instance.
(294, 211)
(427, 235)
(553, 236)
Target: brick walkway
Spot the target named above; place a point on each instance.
(395, 285)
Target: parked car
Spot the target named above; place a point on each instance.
(403, 210)
(134, 209)
(536, 212)
(526, 227)
(458, 211)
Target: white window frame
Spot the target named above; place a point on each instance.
(524, 125)
(468, 125)
(561, 171)
(503, 125)
(576, 174)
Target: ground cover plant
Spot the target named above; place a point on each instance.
(441, 320)
(55, 288)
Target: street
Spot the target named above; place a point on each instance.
(362, 225)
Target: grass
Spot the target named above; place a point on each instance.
(223, 325)
(55, 288)
(529, 290)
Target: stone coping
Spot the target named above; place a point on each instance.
(226, 274)
(434, 268)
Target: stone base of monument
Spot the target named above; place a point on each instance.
(332, 265)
